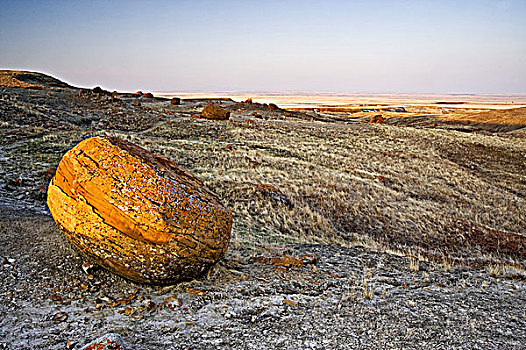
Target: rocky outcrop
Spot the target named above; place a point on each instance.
(136, 213)
(148, 95)
(215, 112)
(272, 107)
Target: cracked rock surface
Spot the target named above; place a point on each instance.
(136, 213)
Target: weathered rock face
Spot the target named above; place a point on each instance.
(213, 111)
(136, 213)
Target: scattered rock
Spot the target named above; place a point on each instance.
(60, 317)
(274, 193)
(175, 101)
(214, 112)
(70, 344)
(377, 119)
(87, 267)
(137, 214)
(136, 103)
(195, 291)
(381, 178)
(110, 341)
(289, 302)
(172, 302)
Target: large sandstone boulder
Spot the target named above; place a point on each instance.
(216, 112)
(136, 213)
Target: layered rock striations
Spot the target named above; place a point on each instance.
(136, 213)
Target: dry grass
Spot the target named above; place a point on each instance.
(433, 194)
(443, 195)
(515, 116)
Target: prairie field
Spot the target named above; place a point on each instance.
(346, 232)
(437, 188)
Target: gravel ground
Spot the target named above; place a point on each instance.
(339, 298)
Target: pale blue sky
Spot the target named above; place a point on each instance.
(355, 46)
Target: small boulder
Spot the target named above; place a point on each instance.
(214, 112)
(138, 93)
(136, 213)
(272, 107)
(248, 100)
(110, 341)
(175, 101)
(377, 119)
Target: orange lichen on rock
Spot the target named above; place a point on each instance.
(136, 213)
